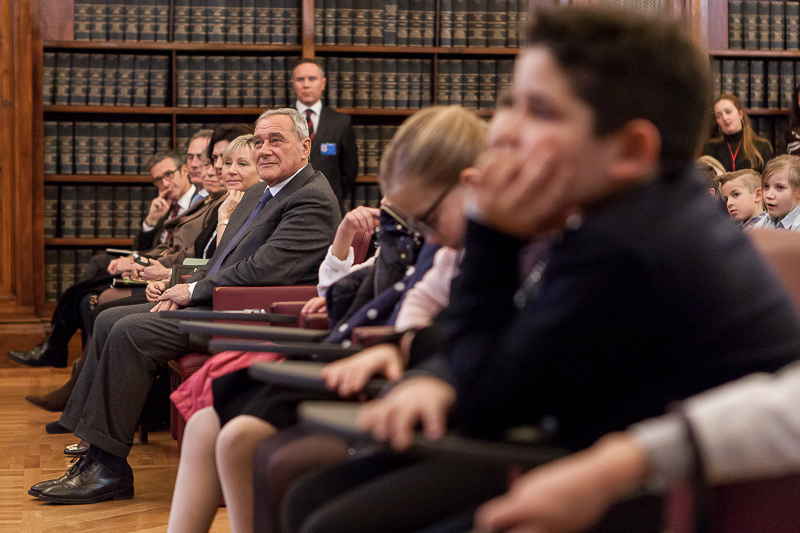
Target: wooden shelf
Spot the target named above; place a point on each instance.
(424, 50)
(88, 242)
(765, 54)
(110, 46)
(97, 178)
(128, 110)
(367, 179)
(762, 111)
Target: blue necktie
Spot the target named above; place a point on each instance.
(256, 210)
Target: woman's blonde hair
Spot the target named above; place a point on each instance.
(433, 145)
(243, 141)
(748, 134)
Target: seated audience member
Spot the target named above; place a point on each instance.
(648, 296)
(741, 192)
(430, 153)
(781, 186)
(736, 146)
(277, 236)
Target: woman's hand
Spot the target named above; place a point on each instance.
(231, 201)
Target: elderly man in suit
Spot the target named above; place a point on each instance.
(333, 143)
(278, 235)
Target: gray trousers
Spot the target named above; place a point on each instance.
(127, 345)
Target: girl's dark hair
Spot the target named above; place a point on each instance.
(227, 132)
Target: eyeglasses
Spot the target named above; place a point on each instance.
(168, 175)
(422, 224)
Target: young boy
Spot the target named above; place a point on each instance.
(647, 296)
(741, 192)
(781, 185)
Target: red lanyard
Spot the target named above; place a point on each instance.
(733, 155)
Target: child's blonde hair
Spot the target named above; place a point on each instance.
(789, 163)
(433, 145)
(749, 177)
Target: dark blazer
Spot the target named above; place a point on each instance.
(340, 169)
(284, 245)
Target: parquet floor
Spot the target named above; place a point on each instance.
(29, 455)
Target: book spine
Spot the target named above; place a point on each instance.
(458, 83)
(250, 79)
(470, 85)
(50, 206)
(505, 72)
(163, 137)
(141, 80)
(66, 269)
(426, 83)
(232, 82)
(83, 153)
(715, 65)
(122, 206)
(512, 24)
(429, 22)
(68, 207)
(414, 83)
(181, 21)
(386, 134)
(344, 22)
(248, 32)
(278, 15)
(234, 22)
(446, 23)
(197, 83)
(136, 205)
(763, 25)
(361, 146)
(402, 22)
(390, 83)
(728, 76)
(51, 276)
(373, 196)
(496, 23)
(161, 26)
(792, 25)
(773, 83)
(148, 195)
(359, 196)
(524, 9)
(99, 20)
(159, 70)
(293, 19)
(198, 21)
(362, 84)
(476, 23)
(147, 20)
(777, 27)
(390, 23)
(215, 71)
(82, 20)
(116, 20)
(787, 83)
(416, 22)
(182, 81)
(105, 212)
(87, 211)
(124, 92)
(375, 23)
(95, 92)
(63, 68)
(263, 26)
(460, 25)
(372, 152)
(264, 81)
(402, 83)
(79, 79)
(110, 71)
(742, 89)
(797, 73)
(66, 138)
(332, 85)
(99, 148)
(487, 83)
(147, 145)
(130, 148)
(216, 21)
(131, 20)
(82, 258)
(319, 23)
(346, 82)
(757, 92)
(50, 147)
(361, 26)
(182, 133)
(280, 80)
(48, 77)
(115, 148)
(376, 83)
(750, 24)
(443, 82)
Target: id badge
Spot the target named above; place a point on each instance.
(328, 149)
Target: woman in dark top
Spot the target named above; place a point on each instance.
(792, 134)
(737, 146)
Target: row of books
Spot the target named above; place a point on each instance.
(103, 147)
(757, 83)
(363, 194)
(377, 83)
(371, 142)
(772, 129)
(473, 84)
(105, 79)
(90, 211)
(195, 21)
(763, 25)
(63, 267)
(478, 23)
(233, 81)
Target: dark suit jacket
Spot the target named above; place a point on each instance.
(284, 245)
(340, 169)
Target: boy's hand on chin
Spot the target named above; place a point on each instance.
(525, 198)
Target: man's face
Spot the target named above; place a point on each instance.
(216, 156)
(194, 160)
(546, 121)
(173, 178)
(163, 174)
(278, 152)
(308, 83)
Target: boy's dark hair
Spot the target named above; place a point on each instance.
(158, 157)
(227, 132)
(626, 67)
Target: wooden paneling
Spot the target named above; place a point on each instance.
(57, 25)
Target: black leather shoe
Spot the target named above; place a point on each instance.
(73, 470)
(54, 428)
(93, 484)
(37, 356)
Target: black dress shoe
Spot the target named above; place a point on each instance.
(54, 428)
(73, 470)
(93, 484)
(37, 356)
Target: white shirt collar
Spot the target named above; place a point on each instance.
(277, 188)
(791, 220)
(186, 200)
(316, 108)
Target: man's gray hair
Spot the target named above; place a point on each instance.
(300, 124)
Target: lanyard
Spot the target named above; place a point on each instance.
(733, 155)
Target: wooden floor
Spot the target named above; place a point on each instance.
(28, 455)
